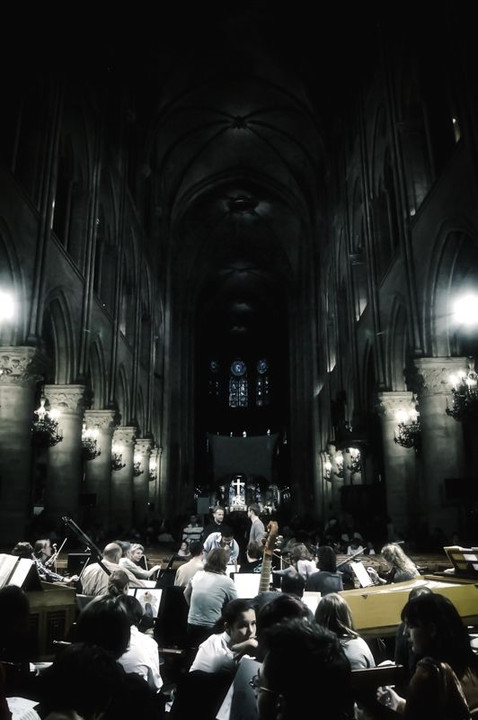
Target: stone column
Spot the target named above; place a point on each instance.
(154, 467)
(142, 451)
(401, 483)
(98, 470)
(65, 466)
(442, 438)
(18, 378)
(122, 480)
(337, 483)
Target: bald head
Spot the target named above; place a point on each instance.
(112, 552)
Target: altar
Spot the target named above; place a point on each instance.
(238, 491)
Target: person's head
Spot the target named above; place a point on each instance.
(84, 678)
(333, 612)
(218, 515)
(254, 550)
(23, 549)
(184, 547)
(104, 622)
(217, 560)
(125, 546)
(327, 558)
(277, 607)
(14, 615)
(227, 536)
(303, 661)
(253, 511)
(118, 583)
(395, 556)
(239, 619)
(293, 584)
(42, 548)
(195, 548)
(435, 628)
(136, 552)
(299, 551)
(112, 552)
(193, 520)
(133, 608)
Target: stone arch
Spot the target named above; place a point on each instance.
(97, 375)
(59, 339)
(397, 346)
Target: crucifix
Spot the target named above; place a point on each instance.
(237, 491)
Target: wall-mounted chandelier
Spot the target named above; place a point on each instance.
(89, 443)
(355, 465)
(117, 457)
(327, 470)
(44, 428)
(408, 431)
(464, 389)
(137, 466)
(339, 464)
(153, 469)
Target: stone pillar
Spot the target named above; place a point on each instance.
(337, 483)
(442, 438)
(17, 390)
(401, 483)
(122, 480)
(65, 467)
(142, 452)
(98, 470)
(154, 467)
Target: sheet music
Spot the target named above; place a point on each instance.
(22, 708)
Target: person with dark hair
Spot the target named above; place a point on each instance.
(23, 549)
(104, 622)
(326, 579)
(304, 664)
(215, 524)
(403, 653)
(42, 554)
(444, 685)
(206, 594)
(252, 563)
(185, 572)
(333, 612)
(142, 654)
(235, 637)
(81, 683)
(223, 539)
(257, 531)
(118, 583)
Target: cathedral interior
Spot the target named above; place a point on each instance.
(239, 262)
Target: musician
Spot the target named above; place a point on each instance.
(185, 572)
(257, 531)
(95, 577)
(44, 555)
(131, 559)
(326, 579)
(223, 539)
(401, 566)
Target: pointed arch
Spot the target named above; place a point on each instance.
(97, 374)
(59, 338)
(123, 395)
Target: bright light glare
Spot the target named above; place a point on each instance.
(465, 309)
(7, 306)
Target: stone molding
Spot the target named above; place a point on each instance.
(67, 399)
(21, 366)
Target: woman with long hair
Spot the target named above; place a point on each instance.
(401, 566)
(444, 685)
(333, 612)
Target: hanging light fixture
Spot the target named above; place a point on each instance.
(327, 466)
(408, 431)
(355, 465)
(44, 428)
(339, 463)
(89, 443)
(464, 389)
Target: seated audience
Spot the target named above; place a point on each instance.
(236, 637)
(401, 566)
(206, 594)
(193, 530)
(333, 612)
(131, 559)
(326, 579)
(304, 668)
(94, 577)
(444, 685)
(356, 544)
(185, 572)
(183, 551)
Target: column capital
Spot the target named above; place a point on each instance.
(124, 434)
(144, 446)
(102, 420)
(389, 403)
(21, 365)
(434, 373)
(68, 399)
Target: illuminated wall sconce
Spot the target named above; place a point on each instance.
(339, 464)
(355, 465)
(408, 432)
(44, 428)
(89, 443)
(117, 457)
(327, 470)
(137, 466)
(153, 469)
(464, 388)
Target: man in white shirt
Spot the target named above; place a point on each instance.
(185, 572)
(142, 655)
(94, 578)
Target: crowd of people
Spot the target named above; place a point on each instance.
(265, 657)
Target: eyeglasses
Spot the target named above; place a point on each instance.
(255, 684)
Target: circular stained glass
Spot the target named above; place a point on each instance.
(262, 367)
(238, 368)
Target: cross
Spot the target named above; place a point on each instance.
(237, 485)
